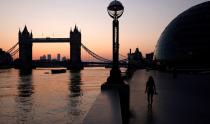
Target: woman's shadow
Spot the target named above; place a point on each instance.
(149, 114)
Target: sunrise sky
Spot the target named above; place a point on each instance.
(140, 26)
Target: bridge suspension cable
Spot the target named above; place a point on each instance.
(15, 52)
(12, 48)
(124, 59)
(95, 55)
(123, 56)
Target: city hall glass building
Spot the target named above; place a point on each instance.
(185, 42)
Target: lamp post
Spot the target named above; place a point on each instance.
(115, 10)
(115, 81)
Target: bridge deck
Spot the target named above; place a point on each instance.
(51, 40)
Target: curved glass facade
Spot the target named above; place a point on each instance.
(186, 40)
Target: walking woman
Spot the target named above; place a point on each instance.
(150, 90)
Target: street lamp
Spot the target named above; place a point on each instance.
(115, 10)
(115, 81)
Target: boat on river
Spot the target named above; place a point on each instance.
(57, 71)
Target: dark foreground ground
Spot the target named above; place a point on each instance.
(181, 100)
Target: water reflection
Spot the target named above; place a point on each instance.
(25, 72)
(75, 109)
(75, 84)
(48, 98)
(24, 99)
(25, 86)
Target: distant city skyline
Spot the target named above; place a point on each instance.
(49, 56)
(140, 26)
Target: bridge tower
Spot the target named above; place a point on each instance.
(25, 49)
(75, 50)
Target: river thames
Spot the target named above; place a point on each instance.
(46, 98)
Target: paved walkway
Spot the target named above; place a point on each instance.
(184, 100)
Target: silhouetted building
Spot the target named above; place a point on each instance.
(136, 56)
(149, 58)
(58, 57)
(75, 49)
(25, 49)
(5, 59)
(43, 58)
(185, 43)
(136, 59)
(64, 58)
(49, 57)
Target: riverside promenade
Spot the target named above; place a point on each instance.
(184, 99)
(181, 100)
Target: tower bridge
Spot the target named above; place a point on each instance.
(26, 41)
